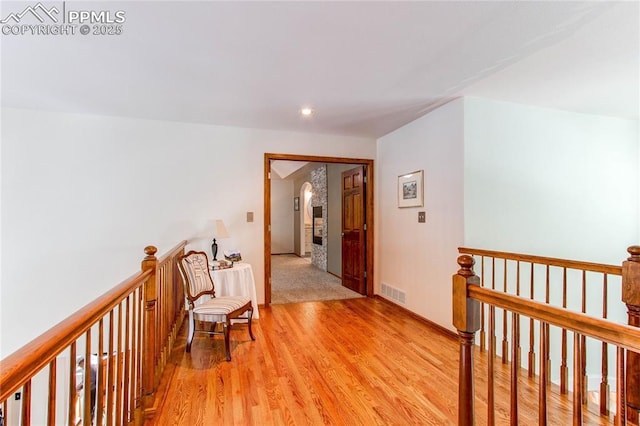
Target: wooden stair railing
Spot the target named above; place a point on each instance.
(474, 299)
(567, 274)
(126, 335)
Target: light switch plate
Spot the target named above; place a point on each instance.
(249, 216)
(422, 217)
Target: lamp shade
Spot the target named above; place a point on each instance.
(221, 230)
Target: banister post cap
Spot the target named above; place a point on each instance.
(466, 311)
(631, 279)
(466, 263)
(150, 251)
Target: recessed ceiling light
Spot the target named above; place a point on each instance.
(306, 111)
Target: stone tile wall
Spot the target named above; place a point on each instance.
(319, 198)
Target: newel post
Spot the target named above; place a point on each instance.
(150, 262)
(466, 319)
(631, 296)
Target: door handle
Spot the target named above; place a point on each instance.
(342, 235)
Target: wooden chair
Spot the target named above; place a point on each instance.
(201, 298)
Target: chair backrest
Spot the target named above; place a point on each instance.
(194, 267)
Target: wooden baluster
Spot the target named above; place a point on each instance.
(577, 379)
(161, 318)
(492, 328)
(564, 370)
(150, 262)
(100, 385)
(516, 324)
(583, 343)
(531, 366)
(119, 359)
(621, 417)
(166, 286)
(51, 407)
(515, 368)
(87, 379)
(483, 336)
(167, 311)
(505, 342)
(466, 319)
(177, 298)
(140, 361)
(547, 354)
(127, 363)
(492, 352)
(170, 307)
(491, 401)
(631, 297)
(72, 385)
(179, 293)
(174, 307)
(604, 381)
(159, 313)
(135, 351)
(169, 315)
(26, 404)
(542, 385)
(110, 370)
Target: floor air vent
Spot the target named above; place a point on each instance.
(394, 294)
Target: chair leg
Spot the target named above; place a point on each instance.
(249, 323)
(225, 327)
(192, 330)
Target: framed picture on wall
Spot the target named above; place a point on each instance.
(296, 203)
(410, 189)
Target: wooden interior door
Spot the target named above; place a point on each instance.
(353, 230)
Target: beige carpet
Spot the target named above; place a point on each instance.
(294, 279)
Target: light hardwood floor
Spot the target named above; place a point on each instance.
(346, 362)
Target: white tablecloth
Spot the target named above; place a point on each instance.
(237, 281)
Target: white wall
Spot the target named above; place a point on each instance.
(528, 180)
(550, 182)
(82, 195)
(556, 184)
(281, 216)
(420, 258)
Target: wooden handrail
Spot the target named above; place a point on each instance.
(27, 361)
(173, 252)
(563, 263)
(147, 309)
(607, 331)
(469, 292)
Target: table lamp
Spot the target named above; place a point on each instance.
(221, 232)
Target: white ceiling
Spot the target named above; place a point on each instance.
(282, 169)
(366, 68)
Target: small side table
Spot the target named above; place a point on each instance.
(236, 281)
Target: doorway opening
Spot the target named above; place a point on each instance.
(302, 244)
